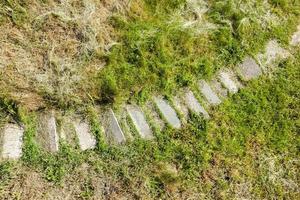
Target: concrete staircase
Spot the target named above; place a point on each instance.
(159, 111)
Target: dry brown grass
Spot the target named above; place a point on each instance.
(54, 53)
(51, 56)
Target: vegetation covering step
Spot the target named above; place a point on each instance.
(208, 93)
(194, 105)
(167, 112)
(48, 135)
(89, 60)
(12, 140)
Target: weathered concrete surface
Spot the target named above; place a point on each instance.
(85, 137)
(208, 93)
(47, 134)
(218, 87)
(273, 51)
(156, 121)
(12, 142)
(180, 105)
(122, 117)
(296, 38)
(168, 112)
(66, 130)
(139, 121)
(249, 69)
(227, 80)
(194, 105)
(112, 128)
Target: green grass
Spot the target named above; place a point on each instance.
(13, 10)
(250, 148)
(148, 47)
(164, 56)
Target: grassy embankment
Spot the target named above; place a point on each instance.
(249, 149)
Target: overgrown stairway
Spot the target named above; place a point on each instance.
(75, 131)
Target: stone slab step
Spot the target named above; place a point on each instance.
(47, 134)
(194, 105)
(168, 112)
(67, 131)
(208, 93)
(273, 51)
(12, 141)
(85, 137)
(180, 105)
(296, 38)
(122, 117)
(249, 69)
(218, 88)
(139, 121)
(112, 128)
(227, 80)
(153, 115)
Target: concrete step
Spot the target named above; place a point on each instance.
(208, 93)
(180, 105)
(139, 121)
(295, 41)
(47, 135)
(249, 69)
(220, 90)
(167, 112)
(272, 52)
(11, 135)
(194, 105)
(66, 130)
(112, 127)
(227, 80)
(85, 137)
(12, 140)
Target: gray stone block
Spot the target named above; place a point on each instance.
(219, 88)
(12, 142)
(227, 81)
(272, 53)
(122, 118)
(66, 130)
(168, 112)
(249, 69)
(112, 127)
(85, 137)
(296, 38)
(194, 105)
(151, 111)
(47, 134)
(208, 93)
(180, 105)
(139, 121)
